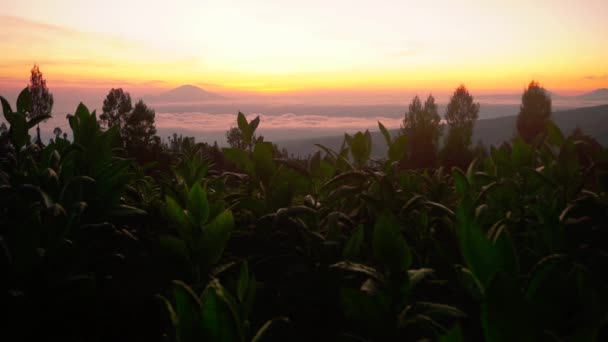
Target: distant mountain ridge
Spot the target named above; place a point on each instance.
(186, 93)
(596, 95)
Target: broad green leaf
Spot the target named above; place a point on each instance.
(507, 252)
(188, 312)
(397, 149)
(364, 309)
(240, 158)
(218, 320)
(18, 130)
(352, 249)
(6, 109)
(214, 238)
(24, 101)
(460, 181)
(253, 125)
(175, 247)
(243, 282)
(36, 120)
(477, 250)
(178, 217)
(453, 335)
(198, 205)
(242, 122)
(264, 331)
(386, 134)
(361, 148)
(554, 134)
(263, 161)
(505, 314)
(388, 244)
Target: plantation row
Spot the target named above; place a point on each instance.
(243, 245)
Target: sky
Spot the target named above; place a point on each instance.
(278, 47)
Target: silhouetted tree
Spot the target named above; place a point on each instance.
(534, 112)
(139, 129)
(3, 128)
(233, 136)
(461, 114)
(116, 106)
(57, 132)
(41, 99)
(421, 126)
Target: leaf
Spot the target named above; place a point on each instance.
(261, 334)
(554, 134)
(418, 275)
(364, 309)
(361, 148)
(198, 205)
(386, 134)
(359, 268)
(263, 161)
(460, 181)
(218, 319)
(253, 125)
(6, 109)
(174, 247)
(214, 238)
(397, 149)
(242, 122)
(24, 101)
(505, 315)
(353, 245)
(438, 311)
(388, 244)
(243, 282)
(188, 311)
(178, 217)
(18, 131)
(123, 210)
(240, 158)
(477, 250)
(453, 335)
(36, 120)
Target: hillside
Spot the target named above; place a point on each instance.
(592, 120)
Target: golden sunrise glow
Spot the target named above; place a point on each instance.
(279, 46)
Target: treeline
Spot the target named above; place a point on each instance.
(101, 241)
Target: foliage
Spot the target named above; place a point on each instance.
(246, 244)
(534, 113)
(421, 126)
(41, 103)
(116, 106)
(461, 114)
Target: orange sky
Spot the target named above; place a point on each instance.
(280, 46)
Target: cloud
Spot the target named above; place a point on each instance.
(595, 77)
(204, 122)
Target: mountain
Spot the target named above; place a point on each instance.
(186, 93)
(591, 120)
(596, 95)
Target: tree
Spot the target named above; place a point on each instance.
(534, 113)
(421, 126)
(116, 106)
(461, 114)
(139, 129)
(57, 131)
(41, 99)
(233, 136)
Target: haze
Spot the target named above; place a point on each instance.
(283, 46)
